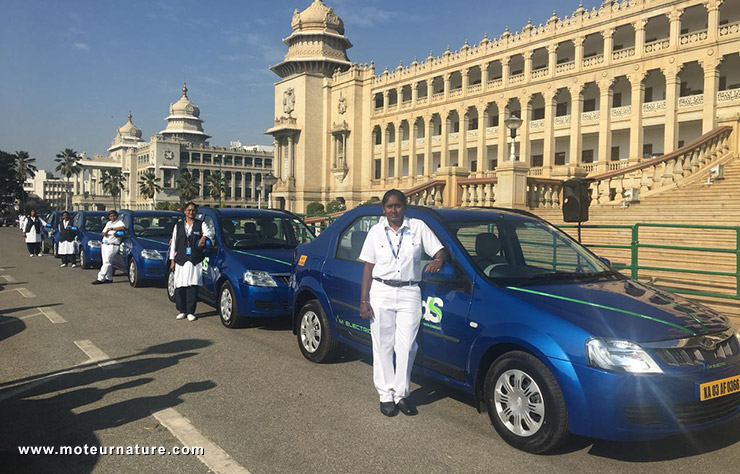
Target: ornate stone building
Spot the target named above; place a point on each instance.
(597, 90)
(182, 145)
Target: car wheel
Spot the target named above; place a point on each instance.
(525, 403)
(56, 250)
(227, 308)
(171, 285)
(44, 247)
(133, 274)
(314, 334)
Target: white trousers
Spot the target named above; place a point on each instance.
(393, 330)
(107, 252)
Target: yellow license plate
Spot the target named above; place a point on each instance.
(719, 388)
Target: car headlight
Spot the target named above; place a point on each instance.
(620, 356)
(258, 278)
(94, 243)
(151, 255)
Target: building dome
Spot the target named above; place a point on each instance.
(129, 129)
(317, 17)
(183, 106)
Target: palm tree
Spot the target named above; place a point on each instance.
(149, 185)
(113, 183)
(189, 187)
(24, 168)
(216, 186)
(68, 166)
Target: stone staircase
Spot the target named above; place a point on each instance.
(692, 203)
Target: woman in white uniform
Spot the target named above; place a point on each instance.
(66, 245)
(32, 225)
(186, 257)
(391, 297)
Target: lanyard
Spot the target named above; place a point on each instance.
(400, 241)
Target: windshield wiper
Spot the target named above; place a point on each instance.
(548, 277)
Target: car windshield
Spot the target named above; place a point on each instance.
(154, 226)
(528, 252)
(252, 232)
(95, 222)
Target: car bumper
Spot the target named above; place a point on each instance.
(258, 301)
(152, 269)
(93, 255)
(620, 406)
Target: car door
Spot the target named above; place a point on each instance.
(211, 261)
(341, 278)
(120, 259)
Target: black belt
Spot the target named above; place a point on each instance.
(396, 283)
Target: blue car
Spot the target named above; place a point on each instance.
(247, 272)
(50, 233)
(537, 328)
(89, 225)
(142, 254)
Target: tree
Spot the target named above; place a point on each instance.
(314, 208)
(149, 185)
(113, 182)
(25, 168)
(168, 206)
(216, 186)
(335, 206)
(188, 184)
(68, 166)
(11, 188)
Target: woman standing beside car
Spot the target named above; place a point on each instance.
(391, 297)
(32, 232)
(66, 245)
(186, 257)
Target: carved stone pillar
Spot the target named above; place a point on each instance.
(711, 86)
(526, 116)
(549, 139)
(639, 26)
(578, 43)
(605, 114)
(576, 108)
(428, 171)
(675, 28)
(527, 65)
(608, 36)
(505, 70)
(637, 93)
(446, 78)
(552, 55)
(672, 84)
(465, 81)
(484, 76)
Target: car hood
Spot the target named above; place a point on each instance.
(160, 244)
(268, 260)
(624, 309)
(91, 235)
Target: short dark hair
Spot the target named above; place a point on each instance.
(394, 192)
(113, 211)
(190, 203)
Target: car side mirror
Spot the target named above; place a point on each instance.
(74, 228)
(48, 226)
(120, 233)
(210, 246)
(606, 260)
(445, 275)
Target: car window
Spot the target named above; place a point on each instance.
(255, 232)
(77, 221)
(95, 222)
(154, 226)
(208, 220)
(547, 250)
(353, 237)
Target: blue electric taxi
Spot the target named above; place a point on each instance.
(142, 254)
(247, 271)
(50, 233)
(540, 330)
(89, 225)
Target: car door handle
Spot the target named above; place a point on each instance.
(327, 274)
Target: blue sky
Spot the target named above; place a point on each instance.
(71, 69)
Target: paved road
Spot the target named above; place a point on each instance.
(90, 365)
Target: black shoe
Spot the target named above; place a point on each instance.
(98, 282)
(388, 408)
(405, 407)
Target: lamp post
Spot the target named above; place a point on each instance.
(513, 123)
(259, 196)
(220, 179)
(269, 180)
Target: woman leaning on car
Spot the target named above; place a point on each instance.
(391, 297)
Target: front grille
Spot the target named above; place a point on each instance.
(696, 354)
(265, 305)
(283, 278)
(643, 415)
(696, 413)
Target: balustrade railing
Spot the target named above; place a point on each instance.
(478, 191)
(495, 83)
(421, 100)
(562, 120)
(590, 116)
(420, 141)
(436, 139)
(693, 37)
(456, 93)
(728, 95)
(491, 131)
(729, 29)
(658, 45)
(474, 88)
(404, 143)
(565, 67)
(541, 72)
(593, 61)
(618, 112)
(438, 96)
(543, 192)
(690, 101)
(623, 54)
(516, 79)
(427, 194)
(471, 134)
(655, 106)
(453, 136)
(536, 124)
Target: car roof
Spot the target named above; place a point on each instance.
(153, 213)
(247, 212)
(465, 214)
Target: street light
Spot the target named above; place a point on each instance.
(259, 196)
(513, 123)
(269, 180)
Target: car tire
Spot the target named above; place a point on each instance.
(133, 274)
(171, 285)
(518, 379)
(56, 250)
(227, 308)
(44, 247)
(315, 338)
(84, 264)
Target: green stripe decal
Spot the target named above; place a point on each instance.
(262, 256)
(153, 240)
(601, 306)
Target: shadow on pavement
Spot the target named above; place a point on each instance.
(10, 326)
(53, 413)
(26, 308)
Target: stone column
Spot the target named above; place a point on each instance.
(484, 76)
(549, 139)
(412, 150)
(446, 78)
(576, 107)
(384, 155)
(465, 81)
(578, 43)
(608, 36)
(505, 71)
(672, 84)
(414, 93)
(291, 158)
(397, 163)
(482, 123)
(638, 89)
(385, 101)
(399, 97)
(639, 26)
(428, 171)
(712, 23)
(512, 184)
(430, 90)
(503, 133)
(523, 132)
(527, 55)
(605, 115)
(552, 54)
(445, 158)
(233, 186)
(675, 28)
(711, 86)
(462, 140)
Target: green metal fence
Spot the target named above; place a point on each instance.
(635, 245)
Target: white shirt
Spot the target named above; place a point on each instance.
(110, 235)
(31, 236)
(188, 230)
(188, 274)
(407, 244)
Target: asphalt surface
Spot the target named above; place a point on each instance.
(249, 391)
